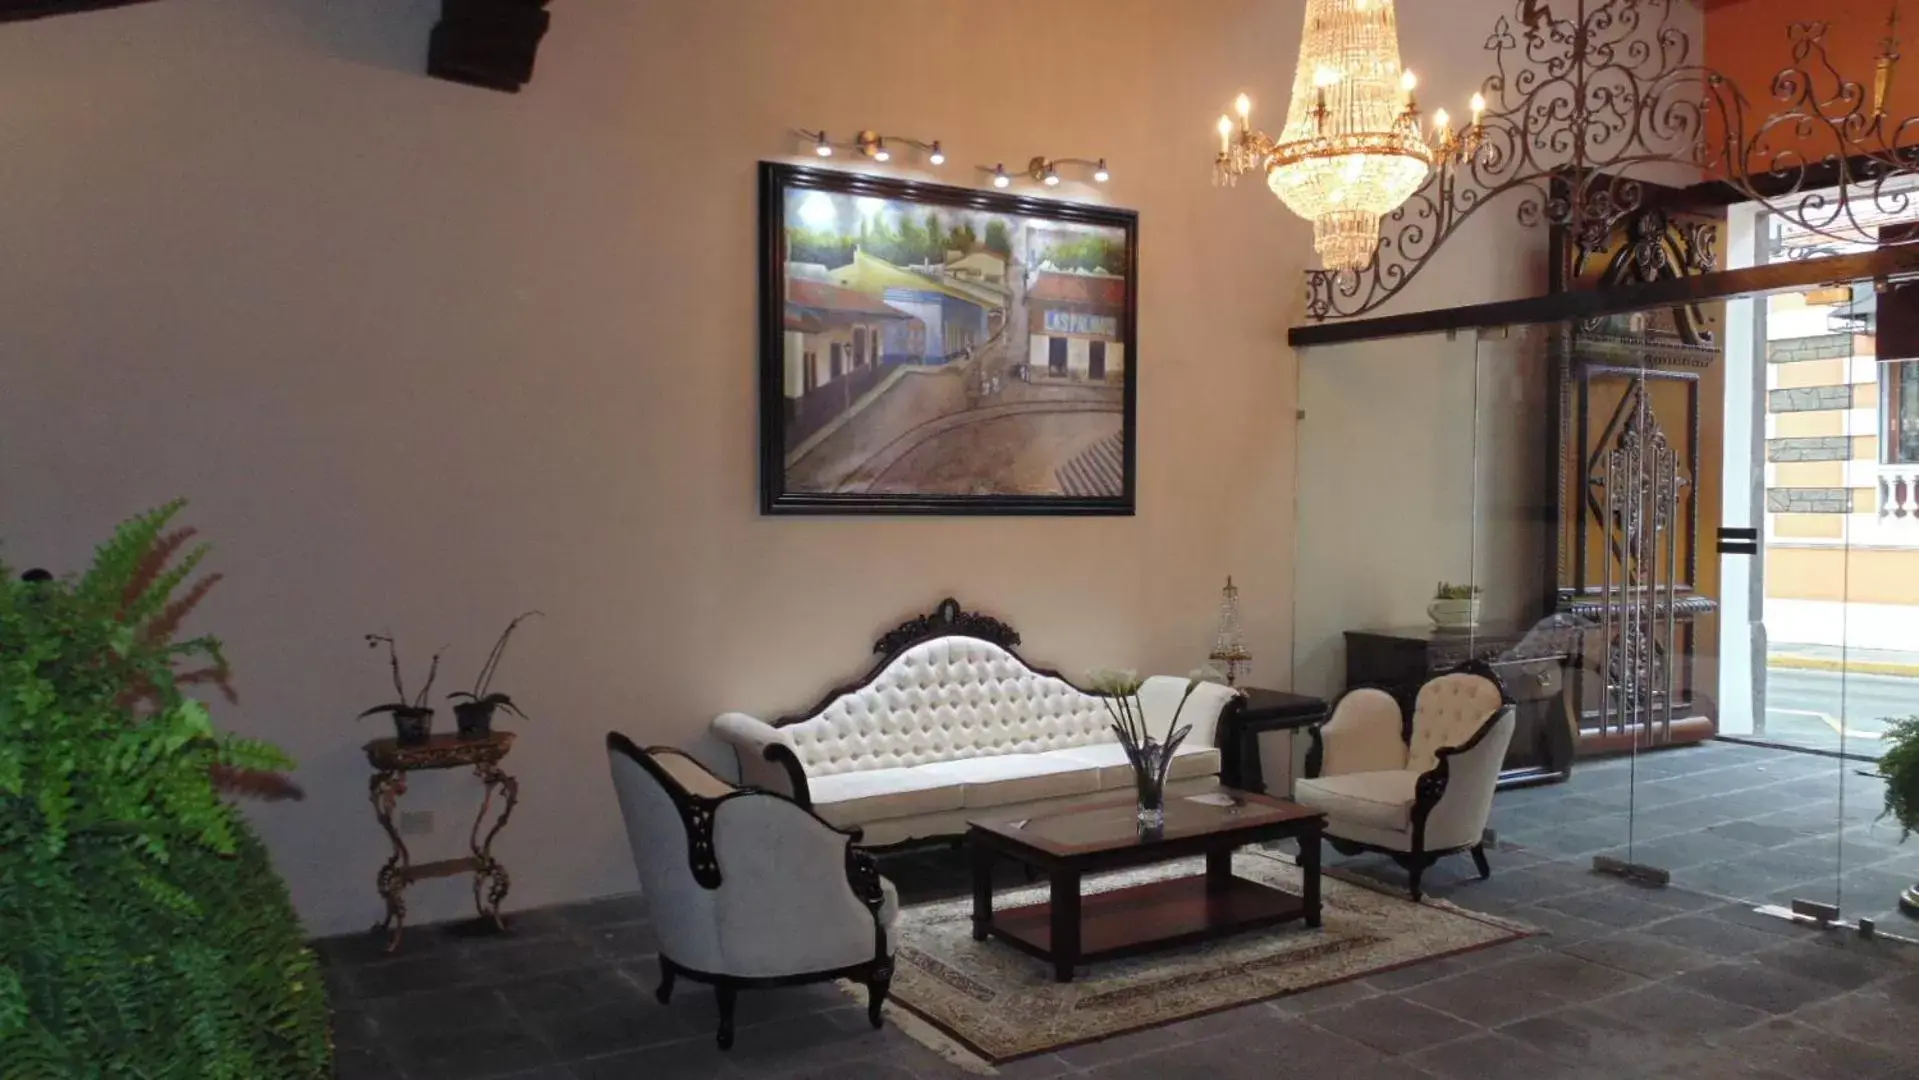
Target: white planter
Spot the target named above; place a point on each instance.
(1454, 614)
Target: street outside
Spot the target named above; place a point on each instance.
(1837, 701)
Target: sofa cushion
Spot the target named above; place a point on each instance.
(1115, 772)
(1012, 778)
(881, 794)
(1380, 800)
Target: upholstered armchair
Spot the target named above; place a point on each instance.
(1415, 788)
(746, 888)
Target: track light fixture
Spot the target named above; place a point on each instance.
(1046, 170)
(874, 145)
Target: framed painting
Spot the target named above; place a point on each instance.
(938, 350)
(11, 10)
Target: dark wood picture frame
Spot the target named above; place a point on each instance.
(16, 10)
(777, 180)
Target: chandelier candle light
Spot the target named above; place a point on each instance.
(1352, 150)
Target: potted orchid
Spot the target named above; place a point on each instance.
(412, 716)
(1150, 757)
(474, 713)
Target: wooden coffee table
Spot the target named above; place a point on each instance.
(1104, 834)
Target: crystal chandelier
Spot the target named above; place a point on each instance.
(1352, 150)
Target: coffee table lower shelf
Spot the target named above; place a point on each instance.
(1156, 915)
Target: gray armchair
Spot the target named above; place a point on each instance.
(746, 888)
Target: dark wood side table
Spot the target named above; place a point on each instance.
(1244, 728)
(391, 762)
(1532, 671)
(1071, 929)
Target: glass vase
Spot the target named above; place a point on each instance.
(1151, 761)
(1150, 785)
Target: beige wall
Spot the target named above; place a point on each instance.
(1809, 425)
(424, 356)
(1859, 576)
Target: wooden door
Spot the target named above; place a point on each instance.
(1636, 472)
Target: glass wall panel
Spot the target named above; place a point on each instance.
(1684, 558)
(1386, 534)
(1386, 496)
(1542, 639)
(1750, 815)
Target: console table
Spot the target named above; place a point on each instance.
(1532, 671)
(1257, 745)
(392, 761)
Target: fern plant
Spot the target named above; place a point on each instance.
(143, 932)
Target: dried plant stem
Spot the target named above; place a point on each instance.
(393, 661)
(493, 658)
(432, 672)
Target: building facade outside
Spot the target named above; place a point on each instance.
(1841, 476)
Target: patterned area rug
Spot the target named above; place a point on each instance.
(1001, 1004)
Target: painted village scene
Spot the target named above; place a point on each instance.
(934, 350)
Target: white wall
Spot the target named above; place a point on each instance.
(424, 355)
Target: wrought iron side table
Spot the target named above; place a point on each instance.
(392, 762)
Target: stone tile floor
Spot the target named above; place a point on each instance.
(1742, 822)
(1626, 982)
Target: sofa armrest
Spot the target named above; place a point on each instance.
(766, 756)
(1454, 799)
(1366, 733)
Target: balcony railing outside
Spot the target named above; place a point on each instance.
(1899, 492)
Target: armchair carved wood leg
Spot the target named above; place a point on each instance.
(877, 986)
(1415, 864)
(1479, 860)
(726, 996)
(667, 974)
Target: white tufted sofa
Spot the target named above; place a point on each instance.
(955, 725)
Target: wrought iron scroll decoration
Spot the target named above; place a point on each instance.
(1581, 106)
